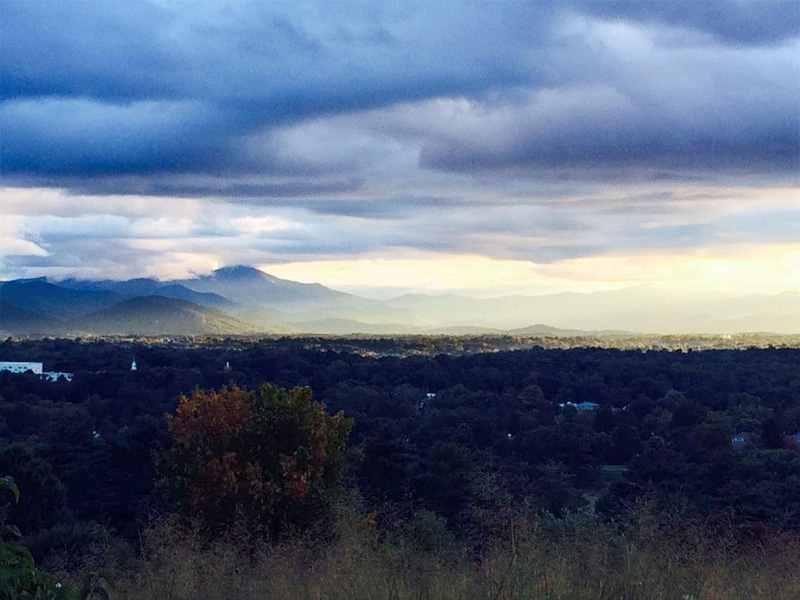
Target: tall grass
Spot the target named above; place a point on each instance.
(574, 558)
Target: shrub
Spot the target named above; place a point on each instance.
(20, 579)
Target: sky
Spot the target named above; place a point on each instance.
(382, 147)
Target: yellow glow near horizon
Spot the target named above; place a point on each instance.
(425, 271)
(760, 268)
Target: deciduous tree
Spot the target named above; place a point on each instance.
(271, 457)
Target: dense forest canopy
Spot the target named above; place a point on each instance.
(465, 437)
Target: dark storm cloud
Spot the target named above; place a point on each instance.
(394, 207)
(387, 208)
(655, 146)
(287, 58)
(734, 21)
(256, 193)
(183, 133)
(99, 89)
(302, 194)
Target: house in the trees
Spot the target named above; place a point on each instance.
(582, 406)
(792, 441)
(744, 440)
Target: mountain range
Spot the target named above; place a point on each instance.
(242, 300)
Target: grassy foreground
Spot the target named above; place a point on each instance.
(576, 558)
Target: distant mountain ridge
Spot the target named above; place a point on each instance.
(148, 287)
(21, 321)
(546, 330)
(251, 300)
(640, 309)
(159, 315)
(49, 299)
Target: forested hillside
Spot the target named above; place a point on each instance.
(469, 440)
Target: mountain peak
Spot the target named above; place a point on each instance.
(239, 272)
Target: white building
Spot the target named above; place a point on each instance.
(56, 375)
(36, 368)
(22, 367)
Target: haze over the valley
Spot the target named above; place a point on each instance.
(589, 165)
(246, 301)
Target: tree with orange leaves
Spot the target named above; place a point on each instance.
(271, 457)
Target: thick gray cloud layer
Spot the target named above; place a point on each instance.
(735, 22)
(498, 128)
(96, 88)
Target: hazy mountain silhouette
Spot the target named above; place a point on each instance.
(148, 287)
(19, 321)
(340, 326)
(640, 309)
(158, 315)
(546, 330)
(44, 298)
(257, 300)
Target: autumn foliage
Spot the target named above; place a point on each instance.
(271, 458)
